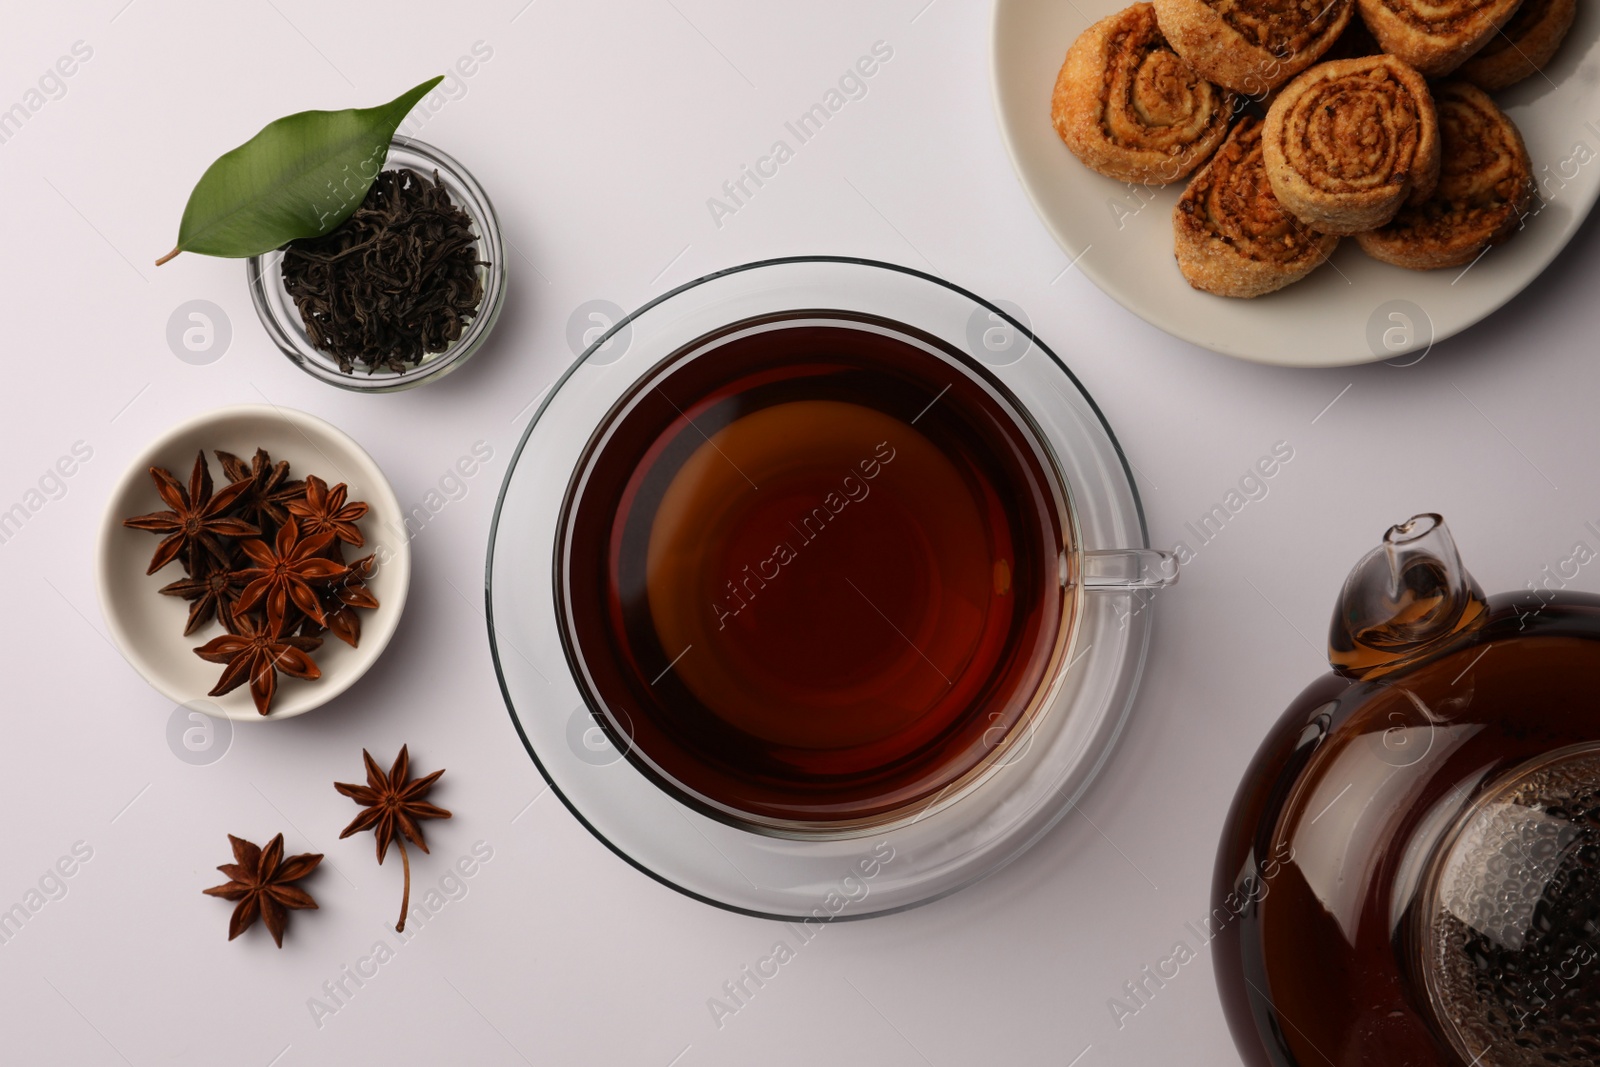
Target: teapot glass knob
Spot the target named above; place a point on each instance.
(1405, 597)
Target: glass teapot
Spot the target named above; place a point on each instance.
(1410, 873)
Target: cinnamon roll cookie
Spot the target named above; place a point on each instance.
(1252, 46)
(1485, 187)
(1131, 109)
(1523, 46)
(1435, 36)
(1348, 143)
(1231, 235)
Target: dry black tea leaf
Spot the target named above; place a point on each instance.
(397, 280)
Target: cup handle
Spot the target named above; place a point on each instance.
(1119, 570)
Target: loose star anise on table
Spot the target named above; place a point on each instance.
(392, 802)
(196, 520)
(259, 879)
(256, 654)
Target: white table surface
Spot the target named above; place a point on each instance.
(600, 129)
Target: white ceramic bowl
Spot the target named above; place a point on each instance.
(148, 627)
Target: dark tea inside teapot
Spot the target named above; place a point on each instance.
(1411, 867)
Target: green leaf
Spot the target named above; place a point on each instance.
(299, 177)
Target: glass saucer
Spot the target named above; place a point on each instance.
(959, 837)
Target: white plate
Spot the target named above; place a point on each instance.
(148, 627)
(1355, 309)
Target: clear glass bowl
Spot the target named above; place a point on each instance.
(282, 319)
(948, 844)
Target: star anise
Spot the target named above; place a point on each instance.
(284, 572)
(212, 596)
(348, 594)
(257, 653)
(324, 510)
(392, 802)
(196, 520)
(259, 880)
(340, 600)
(270, 489)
